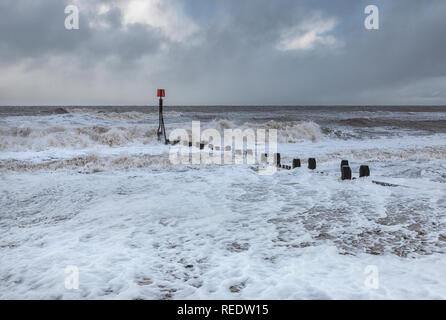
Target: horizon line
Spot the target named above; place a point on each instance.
(227, 105)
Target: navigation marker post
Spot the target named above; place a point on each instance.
(161, 93)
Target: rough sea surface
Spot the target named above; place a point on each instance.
(92, 187)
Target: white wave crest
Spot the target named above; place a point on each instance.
(58, 137)
(38, 137)
(129, 116)
(287, 132)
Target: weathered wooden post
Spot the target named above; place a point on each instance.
(296, 163)
(364, 171)
(312, 163)
(346, 173)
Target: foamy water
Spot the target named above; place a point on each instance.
(93, 188)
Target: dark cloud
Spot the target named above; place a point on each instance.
(29, 29)
(232, 57)
(35, 29)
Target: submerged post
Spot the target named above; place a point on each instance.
(346, 172)
(277, 159)
(161, 129)
(364, 171)
(312, 163)
(296, 163)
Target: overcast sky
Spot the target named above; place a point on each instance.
(222, 52)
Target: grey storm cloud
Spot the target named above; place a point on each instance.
(35, 29)
(223, 52)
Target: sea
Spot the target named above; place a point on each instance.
(92, 207)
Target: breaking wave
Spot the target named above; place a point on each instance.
(95, 162)
(287, 132)
(292, 131)
(40, 139)
(89, 163)
(128, 116)
(379, 154)
(435, 126)
(27, 138)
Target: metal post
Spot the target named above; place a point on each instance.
(161, 129)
